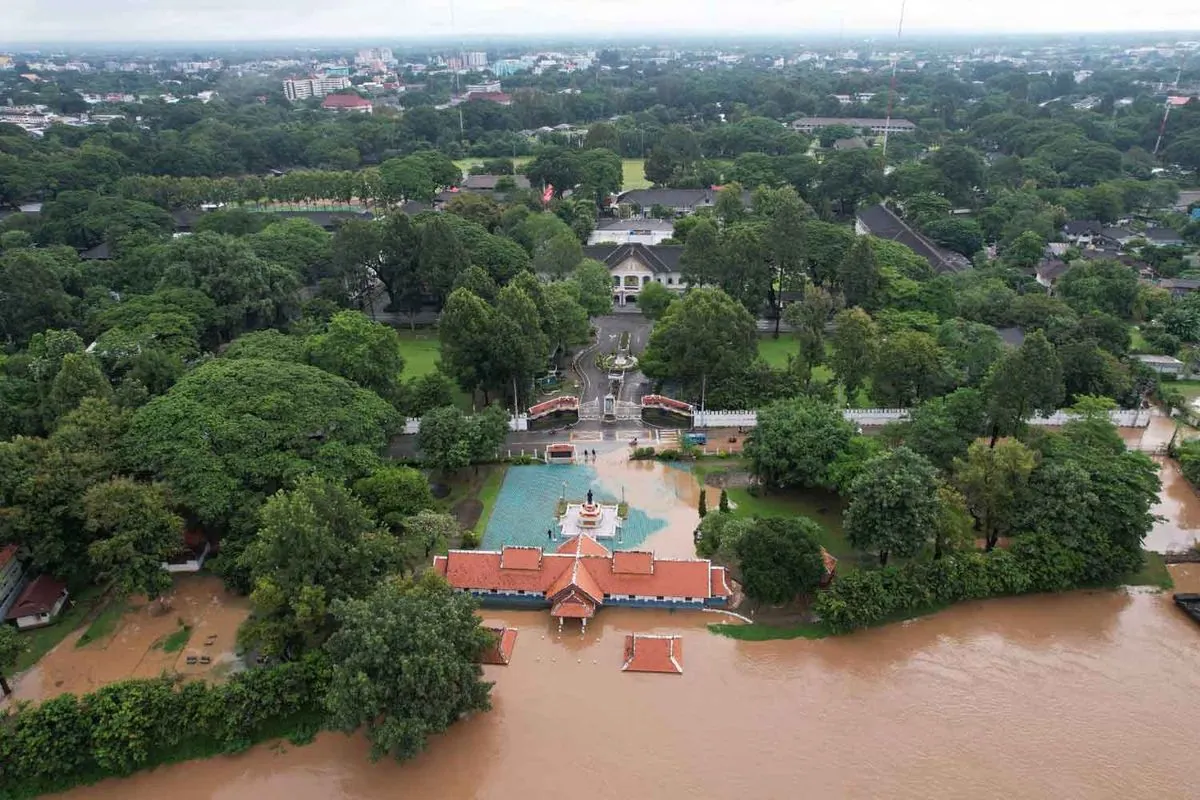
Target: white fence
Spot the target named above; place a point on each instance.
(878, 417)
(412, 425)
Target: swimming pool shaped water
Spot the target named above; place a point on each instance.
(524, 509)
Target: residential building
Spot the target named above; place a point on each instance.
(501, 652)
(1082, 232)
(346, 103)
(12, 577)
(633, 266)
(476, 60)
(853, 143)
(1117, 237)
(680, 202)
(631, 231)
(1180, 287)
(480, 184)
(304, 88)
(1050, 270)
(39, 604)
(881, 221)
(1163, 365)
(582, 575)
(490, 87)
(1163, 237)
(879, 126)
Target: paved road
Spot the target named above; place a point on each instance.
(608, 333)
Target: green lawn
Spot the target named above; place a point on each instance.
(43, 640)
(633, 174)
(421, 351)
(1137, 342)
(1190, 389)
(821, 507)
(176, 641)
(103, 625)
(776, 351)
(1153, 573)
(488, 494)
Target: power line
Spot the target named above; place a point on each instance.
(887, 127)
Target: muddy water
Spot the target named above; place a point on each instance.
(1179, 508)
(134, 648)
(1082, 695)
(662, 491)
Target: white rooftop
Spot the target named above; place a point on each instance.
(573, 523)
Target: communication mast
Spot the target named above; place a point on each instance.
(887, 128)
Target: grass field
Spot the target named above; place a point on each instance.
(487, 496)
(633, 172)
(1190, 389)
(776, 351)
(103, 625)
(421, 351)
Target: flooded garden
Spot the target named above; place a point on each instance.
(1084, 694)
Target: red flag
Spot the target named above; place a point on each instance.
(546, 195)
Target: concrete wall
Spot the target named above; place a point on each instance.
(877, 417)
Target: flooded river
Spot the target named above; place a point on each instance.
(1084, 695)
(1087, 695)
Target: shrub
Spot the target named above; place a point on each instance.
(642, 453)
(470, 540)
(668, 455)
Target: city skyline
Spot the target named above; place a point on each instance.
(82, 21)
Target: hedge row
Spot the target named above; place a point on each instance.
(138, 724)
(1036, 563)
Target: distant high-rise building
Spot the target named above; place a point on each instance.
(303, 88)
(476, 60)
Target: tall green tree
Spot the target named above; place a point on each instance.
(394, 493)
(1025, 382)
(706, 335)
(780, 559)
(859, 275)
(700, 259)
(993, 481)
(796, 441)
(594, 287)
(316, 544)
(854, 342)
(894, 507)
(138, 534)
(909, 368)
(359, 350)
(405, 664)
(441, 258)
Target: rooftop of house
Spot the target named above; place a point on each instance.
(345, 101)
(1051, 269)
(39, 597)
(487, 183)
(646, 652)
(675, 198)
(1183, 284)
(853, 122)
(101, 252)
(881, 221)
(1083, 227)
(501, 652)
(1162, 360)
(1161, 235)
(635, 224)
(657, 258)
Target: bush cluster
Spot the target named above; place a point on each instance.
(137, 724)
(1035, 563)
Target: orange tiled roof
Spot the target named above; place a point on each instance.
(646, 652)
(639, 562)
(719, 582)
(592, 574)
(584, 546)
(574, 605)
(501, 651)
(829, 560)
(521, 558)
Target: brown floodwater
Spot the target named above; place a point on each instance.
(1090, 694)
(1080, 695)
(134, 649)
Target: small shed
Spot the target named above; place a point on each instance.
(40, 604)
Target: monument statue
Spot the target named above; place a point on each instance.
(589, 497)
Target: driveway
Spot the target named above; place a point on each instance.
(593, 380)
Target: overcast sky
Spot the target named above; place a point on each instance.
(387, 21)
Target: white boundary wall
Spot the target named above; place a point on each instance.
(518, 423)
(876, 417)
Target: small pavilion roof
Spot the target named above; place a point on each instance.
(646, 652)
(501, 652)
